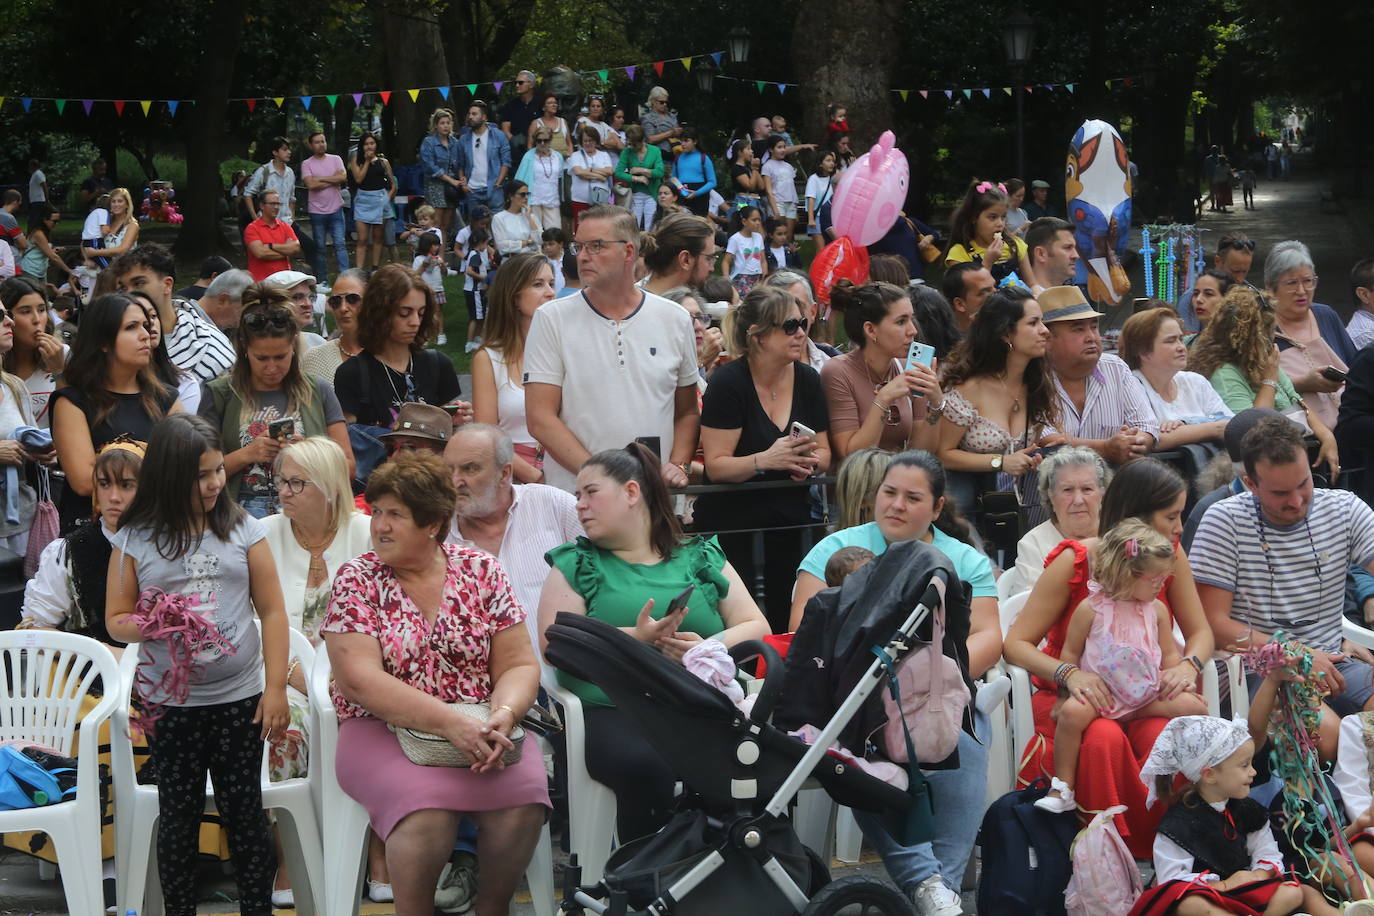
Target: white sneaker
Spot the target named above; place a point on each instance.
(283, 900)
(442, 339)
(471, 346)
(379, 892)
(934, 898)
(1058, 804)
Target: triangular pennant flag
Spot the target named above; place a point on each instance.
(1127, 81)
(251, 103)
(413, 93)
(759, 85)
(60, 103)
(85, 103)
(2, 101)
(172, 106)
(119, 106)
(472, 89)
(357, 98)
(903, 93)
(386, 96)
(1107, 83)
(782, 88)
(146, 105)
(306, 100)
(658, 67)
(1007, 90)
(987, 93)
(968, 93)
(686, 62)
(1049, 86)
(1069, 86)
(26, 102)
(332, 99)
(949, 93)
(715, 58)
(603, 75)
(630, 71)
(498, 84)
(279, 100)
(443, 92)
(1028, 88)
(925, 93)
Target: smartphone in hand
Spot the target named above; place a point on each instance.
(919, 354)
(282, 429)
(680, 602)
(1332, 374)
(801, 431)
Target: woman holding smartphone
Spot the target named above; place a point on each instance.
(635, 549)
(266, 401)
(763, 417)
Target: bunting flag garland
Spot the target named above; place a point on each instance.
(472, 89)
(759, 84)
(968, 93)
(331, 99)
(603, 75)
(498, 84)
(306, 100)
(903, 93)
(146, 105)
(61, 104)
(987, 93)
(925, 93)
(949, 93)
(715, 59)
(119, 106)
(630, 71)
(279, 99)
(171, 107)
(686, 62)
(386, 96)
(26, 102)
(413, 93)
(357, 100)
(252, 103)
(658, 67)
(443, 92)
(85, 103)
(1127, 81)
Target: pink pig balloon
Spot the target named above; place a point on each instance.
(871, 192)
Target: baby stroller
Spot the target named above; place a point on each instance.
(733, 846)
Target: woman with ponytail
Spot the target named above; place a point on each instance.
(634, 549)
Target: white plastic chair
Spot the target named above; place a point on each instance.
(45, 676)
(345, 821)
(591, 805)
(136, 812)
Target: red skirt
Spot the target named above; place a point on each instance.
(1109, 763)
(1247, 900)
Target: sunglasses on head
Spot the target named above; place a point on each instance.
(793, 325)
(276, 318)
(1236, 245)
(350, 298)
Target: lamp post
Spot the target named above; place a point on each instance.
(706, 76)
(1018, 34)
(739, 44)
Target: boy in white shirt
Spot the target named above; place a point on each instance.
(96, 225)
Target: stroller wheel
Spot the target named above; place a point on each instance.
(858, 895)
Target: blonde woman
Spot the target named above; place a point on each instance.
(857, 482)
(122, 232)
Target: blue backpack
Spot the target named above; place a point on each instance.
(25, 784)
(1025, 855)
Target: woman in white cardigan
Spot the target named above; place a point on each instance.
(317, 531)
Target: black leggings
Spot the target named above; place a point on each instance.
(782, 554)
(188, 741)
(622, 759)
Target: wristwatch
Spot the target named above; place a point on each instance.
(1271, 383)
(997, 462)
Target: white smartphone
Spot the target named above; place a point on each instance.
(919, 354)
(802, 431)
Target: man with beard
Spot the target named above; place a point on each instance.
(515, 524)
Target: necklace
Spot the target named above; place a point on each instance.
(891, 416)
(545, 165)
(316, 551)
(410, 385)
(1015, 399)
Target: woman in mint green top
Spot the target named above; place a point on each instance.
(641, 167)
(635, 550)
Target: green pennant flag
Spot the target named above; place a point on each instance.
(332, 99)
(968, 93)
(603, 75)
(758, 84)
(472, 89)
(60, 103)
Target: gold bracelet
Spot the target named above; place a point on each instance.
(506, 708)
(291, 668)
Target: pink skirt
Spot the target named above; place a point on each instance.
(374, 772)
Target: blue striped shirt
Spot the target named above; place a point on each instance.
(1298, 584)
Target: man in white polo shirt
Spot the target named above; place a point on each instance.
(611, 363)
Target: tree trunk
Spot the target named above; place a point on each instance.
(846, 55)
(481, 36)
(414, 58)
(200, 235)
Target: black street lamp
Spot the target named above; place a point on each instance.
(739, 44)
(1018, 35)
(706, 75)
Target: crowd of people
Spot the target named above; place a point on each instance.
(343, 486)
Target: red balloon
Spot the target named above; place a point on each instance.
(840, 260)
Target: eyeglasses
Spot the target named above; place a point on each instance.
(350, 298)
(292, 485)
(1294, 283)
(522, 82)
(271, 203)
(4, 315)
(541, 139)
(698, 318)
(594, 246)
(710, 258)
(1235, 245)
(793, 325)
(521, 194)
(302, 297)
(278, 319)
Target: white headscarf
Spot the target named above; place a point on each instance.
(1190, 744)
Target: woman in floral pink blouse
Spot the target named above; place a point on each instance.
(413, 626)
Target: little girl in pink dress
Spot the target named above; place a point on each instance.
(1119, 640)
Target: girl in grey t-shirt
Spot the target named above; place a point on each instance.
(184, 535)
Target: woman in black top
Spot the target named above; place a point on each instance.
(396, 318)
(374, 187)
(747, 418)
(112, 391)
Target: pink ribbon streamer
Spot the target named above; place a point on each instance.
(173, 619)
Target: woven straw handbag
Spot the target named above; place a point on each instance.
(428, 750)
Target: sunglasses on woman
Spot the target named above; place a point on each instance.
(278, 319)
(793, 325)
(351, 298)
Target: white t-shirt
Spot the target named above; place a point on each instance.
(482, 266)
(547, 180)
(477, 178)
(427, 266)
(819, 188)
(602, 127)
(783, 175)
(582, 187)
(90, 230)
(747, 254)
(1197, 400)
(7, 265)
(41, 384)
(460, 242)
(36, 182)
(513, 233)
(642, 359)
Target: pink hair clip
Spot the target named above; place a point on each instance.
(986, 186)
(1133, 547)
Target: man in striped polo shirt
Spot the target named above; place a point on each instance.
(1275, 558)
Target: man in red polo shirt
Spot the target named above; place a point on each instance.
(271, 243)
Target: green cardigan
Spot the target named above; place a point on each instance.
(230, 408)
(653, 160)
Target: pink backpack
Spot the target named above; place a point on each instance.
(934, 699)
(1105, 879)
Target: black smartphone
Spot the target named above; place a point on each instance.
(680, 601)
(281, 429)
(1332, 374)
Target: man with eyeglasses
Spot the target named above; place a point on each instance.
(611, 363)
(1276, 558)
(483, 159)
(519, 113)
(1235, 255)
(270, 240)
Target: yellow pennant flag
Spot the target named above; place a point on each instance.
(279, 99)
(413, 93)
(2, 101)
(686, 62)
(146, 105)
(903, 93)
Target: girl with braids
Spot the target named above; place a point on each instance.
(1237, 354)
(634, 549)
(266, 401)
(999, 396)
